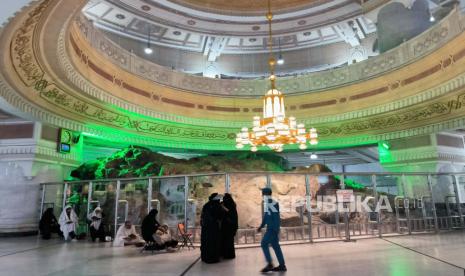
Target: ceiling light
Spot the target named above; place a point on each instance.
(431, 18)
(385, 145)
(280, 58)
(148, 50)
(313, 156)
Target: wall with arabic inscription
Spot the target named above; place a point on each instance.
(55, 71)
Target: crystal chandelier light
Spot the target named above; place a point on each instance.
(274, 130)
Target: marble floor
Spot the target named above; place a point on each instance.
(394, 256)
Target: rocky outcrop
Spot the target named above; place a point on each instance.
(137, 161)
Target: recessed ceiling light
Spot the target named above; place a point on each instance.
(280, 60)
(148, 50)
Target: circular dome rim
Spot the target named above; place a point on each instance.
(246, 9)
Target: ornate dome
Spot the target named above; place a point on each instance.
(240, 7)
(229, 38)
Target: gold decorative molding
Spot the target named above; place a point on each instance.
(424, 97)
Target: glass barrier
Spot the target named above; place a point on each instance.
(103, 195)
(77, 196)
(200, 188)
(246, 191)
(168, 196)
(378, 204)
(445, 195)
(326, 222)
(359, 216)
(390, 204)
(133, 201)
(420, 202)
(52, 197)
(460, 187)
(290, 191)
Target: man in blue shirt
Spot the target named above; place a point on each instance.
(272, 221)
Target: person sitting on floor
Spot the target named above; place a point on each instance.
(127, 235)
(68, 222)
(48, 224)
(163, 238)
(96, 226)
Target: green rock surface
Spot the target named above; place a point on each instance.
(136, 161)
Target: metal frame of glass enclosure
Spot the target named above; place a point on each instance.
(421, 202)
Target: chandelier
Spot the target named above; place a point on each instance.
(274, 130)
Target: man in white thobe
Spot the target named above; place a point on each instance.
(68, 222)
(127, 235)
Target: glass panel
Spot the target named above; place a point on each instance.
(200, 188)
(53, 198)
(362, 218)
(246, 190)
(420, 202)
(133, 201)
(446, 203)
(325, 217)
(77, 196)
(169, 198)
(461, 192)
(104, 195)
(390, 198)
(290, 191)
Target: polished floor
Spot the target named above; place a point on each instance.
(394, 256)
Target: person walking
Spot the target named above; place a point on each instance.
(272, 221)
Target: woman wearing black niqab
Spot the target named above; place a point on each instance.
(210, 238)
(229, 227)
(150, 226)
(49, 224)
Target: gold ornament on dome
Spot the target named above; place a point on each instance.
(274, 130)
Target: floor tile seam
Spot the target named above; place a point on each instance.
(190, 266)
(424, 254)
(29, 249)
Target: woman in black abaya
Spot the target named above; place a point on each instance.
(150, 226)
(210, 238)
(229, 227)
(49, 224)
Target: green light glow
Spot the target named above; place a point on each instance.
(385, 145)
(385, 155)
(351, 184)
(173, 136)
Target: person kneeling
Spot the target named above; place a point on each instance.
(96, 226)
(48, 224)
(68, 223)
(127, 235)
(163, 238)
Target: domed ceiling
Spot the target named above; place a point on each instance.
(213, 29)
(246, 6)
